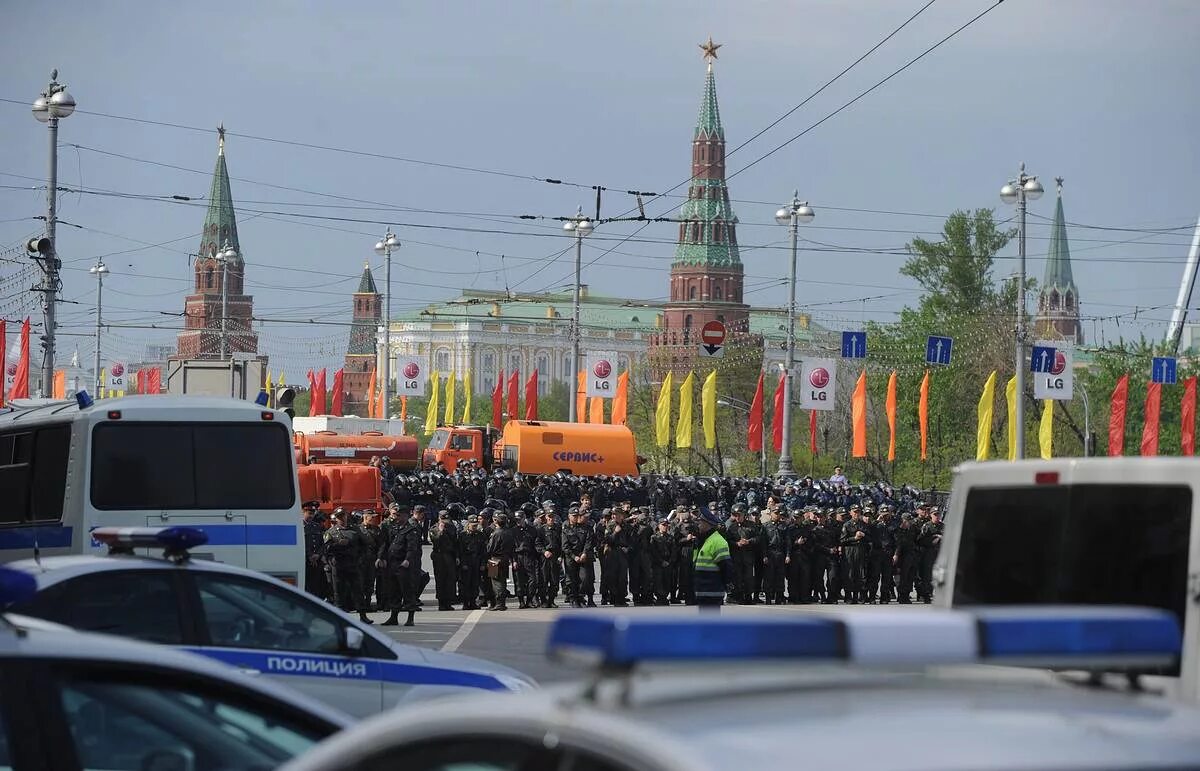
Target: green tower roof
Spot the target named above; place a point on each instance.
(1058, 258)
(220, 223)
(708, 124)
(366, 284)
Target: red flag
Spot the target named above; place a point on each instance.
(754, 432)
(1116, 417)
(513, 395)
(531, 396)
(891, 415)
(335, 409)
(498, 401)
(858, 416)
(371, 396)
(620, 405)
(812, 432)
(1150, 427)
(312, 394)
(320, 392)
(4, 358)
(154, 382)
(923, 416)
(20, 386)
(777, 417)
(1187, 415)
(142, 376)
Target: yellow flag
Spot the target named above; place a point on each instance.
(983, 433)
(1010, 395)
(708, 409)
(270, 391)
(662, 413)
(683, 429)
(450, 389)
(281, 382)
(432, 409)
(103, 382)
(1046, 430)
(466, 396)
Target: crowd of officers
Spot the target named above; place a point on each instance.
(799, 543)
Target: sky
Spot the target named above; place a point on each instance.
(441, 119)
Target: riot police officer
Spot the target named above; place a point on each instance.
(501, 549)
(444, 536)
(372, 536)
(550, 546)
(471, 545)
(775, 548)
(579, 552)
(663, 554)
(343, 548)
(314, 551)
(400, 554)
(525, 566)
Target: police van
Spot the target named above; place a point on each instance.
(1091, 531)
(911, 688)
(224, 466)
(250, 621)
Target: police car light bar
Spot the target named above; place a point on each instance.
(173, 540)
(16, 586)
(1045, 636)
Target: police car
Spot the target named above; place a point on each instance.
(874, 690)
(251, 621)
(71, 700)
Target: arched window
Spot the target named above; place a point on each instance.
(441, 360)
(717, 293)
(695, 232)
(1068, 301)
(691, 294)
(1053, 299)
(208, 278)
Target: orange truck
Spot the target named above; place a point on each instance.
(329, 447)
(537, 447)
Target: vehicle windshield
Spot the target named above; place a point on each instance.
(157, 466)
(1083, 544)
(438, 440)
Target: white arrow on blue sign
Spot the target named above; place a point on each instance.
(937, 350)
(1162, 370)
(854, 345)
(1042, 359)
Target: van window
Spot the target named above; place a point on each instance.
(1118, 544)
(155, 466)
(33, 473)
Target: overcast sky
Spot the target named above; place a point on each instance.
(1100, 92)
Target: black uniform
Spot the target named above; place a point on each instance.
(887, 550)
(687, 537)
(801, 545)
(615, 563)
(444, 537)
(501, 550)
(471, 546)
(403, 545)
(743, 556)
(929, 541)
(371, 536)
(641, 577)
(314, 559)
(775, 551)
(854, 557)
(343, 550)
(525, 567)
(906, 560)
(663, 555)
(549, 542)
(579, 552)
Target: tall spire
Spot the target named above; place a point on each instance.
(220, 223)
(1058, 258)
(708, 125)
(1058, 297)
(366, 284)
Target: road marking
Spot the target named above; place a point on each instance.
(460, 636)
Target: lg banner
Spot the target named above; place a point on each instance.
(410, 377)
(1057, 380)
(816, 383)
(117, 376)
(601, 374)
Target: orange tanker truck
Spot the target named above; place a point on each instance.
(537, 447)
(325, 447)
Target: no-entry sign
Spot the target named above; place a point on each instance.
(712, 339)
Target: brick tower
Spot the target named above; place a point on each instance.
(1058, 298)
(201, 338)
(360, 355)
(706, 274)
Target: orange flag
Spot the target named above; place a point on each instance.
(923, 416)
(858, 416)
(371, 396)
(60, 384)
(580, 398)
(620, 405)
(403, 412)
(891, 415)
(20, 386)
(596, 410)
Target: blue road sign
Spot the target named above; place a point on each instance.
(1162, 370)
(854, 345)
(937, 350)
(1042, 359)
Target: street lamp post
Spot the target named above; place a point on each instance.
(741, 406)
(224, 256)
(384, 248)
(53, 104)
(791, 215)
(581, 227)
(99, 270)
(1018, 191)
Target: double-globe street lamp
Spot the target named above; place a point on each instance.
(581, 227)
(1018, 191)
(792, 215)
(99, 270)
(384, 248)
(225, 255)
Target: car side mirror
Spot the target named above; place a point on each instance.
(353, 639)
(168, 760)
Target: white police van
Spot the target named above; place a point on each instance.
(1090, 531)
(885, 689)
(224, 466)
(247, 620)
(72, 700)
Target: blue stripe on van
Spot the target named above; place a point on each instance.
(48, 536)
(249, 535)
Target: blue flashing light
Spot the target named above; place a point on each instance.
(174, 540)
(83, 399)
(16, 586)
(262, 399)
(1059, 632)
(623, 640)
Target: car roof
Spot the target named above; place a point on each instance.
(723, 717)
(26, 638)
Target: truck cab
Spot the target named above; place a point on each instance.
(451, 445)
(1083, 531)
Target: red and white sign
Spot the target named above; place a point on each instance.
(411, 377)
(816, 384)
(712, 339)
(116, 377)
(1059, 382)
(601, 374)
